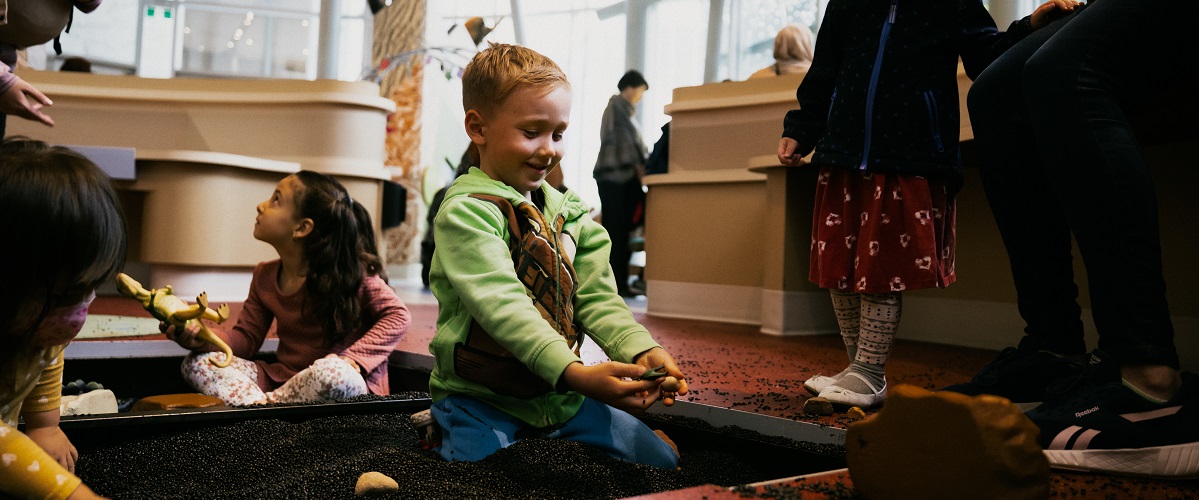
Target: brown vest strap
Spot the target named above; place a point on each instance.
(550, 282)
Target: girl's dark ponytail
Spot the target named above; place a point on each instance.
(368, 250)
(340, 251)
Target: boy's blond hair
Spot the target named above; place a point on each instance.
(493, 74)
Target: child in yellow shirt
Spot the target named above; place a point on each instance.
(64, 235)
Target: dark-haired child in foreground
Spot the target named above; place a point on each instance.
(64, 236)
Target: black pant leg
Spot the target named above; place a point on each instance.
(1080, 87)
(1029, 216)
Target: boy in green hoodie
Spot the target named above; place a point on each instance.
(521, 275)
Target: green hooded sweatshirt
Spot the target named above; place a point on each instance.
(473, 276)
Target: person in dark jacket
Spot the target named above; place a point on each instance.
(880, 107)
(618, 171)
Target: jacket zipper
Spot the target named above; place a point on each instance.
(878, 63)
(933, 120)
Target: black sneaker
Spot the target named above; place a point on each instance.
(1099, 424)
(1021, 374)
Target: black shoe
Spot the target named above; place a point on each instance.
(1096, 423)
(1021, 374)
(637, 287)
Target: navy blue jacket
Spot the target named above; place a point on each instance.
(882, 92)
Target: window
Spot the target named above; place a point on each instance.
(747, 31)
(218, 38)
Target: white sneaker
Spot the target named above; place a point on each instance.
(425, 426)
(845, 397)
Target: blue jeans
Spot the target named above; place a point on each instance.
(1059, 157)
(471, 430)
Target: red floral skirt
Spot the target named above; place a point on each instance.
(879, 233)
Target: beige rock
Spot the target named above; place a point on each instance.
(375, 483)
(89, 403)
(930, 445)
(818, 406)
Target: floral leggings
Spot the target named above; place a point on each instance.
(327, 379)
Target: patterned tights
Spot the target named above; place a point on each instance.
(327, 379)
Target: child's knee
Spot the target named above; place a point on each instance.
(335, 367)
(342, 380)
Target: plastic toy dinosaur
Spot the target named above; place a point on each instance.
(166, 306)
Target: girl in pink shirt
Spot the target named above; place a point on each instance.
(335, 315)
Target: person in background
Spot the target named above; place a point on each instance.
(1061, 121)
(618, 172)
(335, 315)
(521, 276)
(76, 64)
(18, 97)
(64, 235)
(792, 52)
(879, 106)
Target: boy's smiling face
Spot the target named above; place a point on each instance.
(520, 140)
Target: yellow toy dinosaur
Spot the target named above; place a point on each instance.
(166, 306)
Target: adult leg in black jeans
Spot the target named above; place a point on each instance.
(1034, 229)
(618, 201)
(1059, 155)
(1027, 211)
(1079, 88)
(1086, 80)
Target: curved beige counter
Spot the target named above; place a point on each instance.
(207, 152)
(325, 125)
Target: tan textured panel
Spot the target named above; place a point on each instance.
(705, 233)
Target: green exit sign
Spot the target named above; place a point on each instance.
(165, 12)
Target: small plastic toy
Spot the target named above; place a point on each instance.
(166, 306)
(654, 373)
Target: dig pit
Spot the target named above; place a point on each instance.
(319, 450)
(293, 452)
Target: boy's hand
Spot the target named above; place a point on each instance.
(185, 337)
(1051, 11)
(613, 383)
(659, 357)
(787, 155)
(51, 439)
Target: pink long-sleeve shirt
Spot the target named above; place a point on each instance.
(385, 319)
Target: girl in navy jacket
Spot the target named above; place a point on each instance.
(880, 107)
